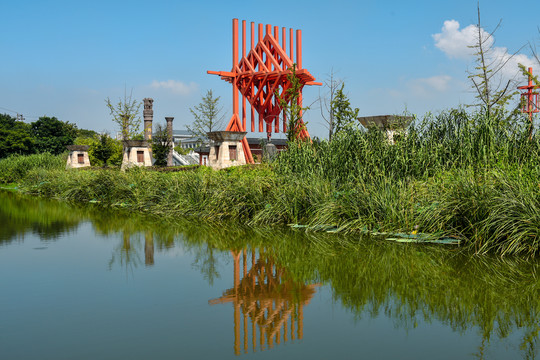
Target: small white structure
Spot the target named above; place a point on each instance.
(227, 149)
(136, 153)
(78, 156)
(392, 124)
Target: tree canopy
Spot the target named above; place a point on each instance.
(207, 116)
(15, 137)
(52, 135)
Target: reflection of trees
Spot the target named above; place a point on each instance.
(125, 254)
(45, 218)
(269, 298)
(412, 283)
(149, 248)
(408, 283)
(207, 262)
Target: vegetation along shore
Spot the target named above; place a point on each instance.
(459, 175)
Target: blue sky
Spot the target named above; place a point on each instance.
(64, 58)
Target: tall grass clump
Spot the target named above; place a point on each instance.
(458, 174)
(14, 168)
(450, 140)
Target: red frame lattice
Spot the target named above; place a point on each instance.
(262, 73)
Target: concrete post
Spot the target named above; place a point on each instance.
(148, 114)
(170, 138)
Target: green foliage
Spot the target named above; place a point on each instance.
(207, 115)
(291, 107)
(344, 116)
(103, 149)
(52, 135)
(16, 167)
(492, 92)
(112, 145)
(15, 137)
(161, 145)
(84, 133)
(456, 174)
(125, 113)
(179, 149)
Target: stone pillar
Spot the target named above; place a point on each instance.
(148, 114)
(170, 138)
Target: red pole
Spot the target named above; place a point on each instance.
(243, 56)
(298, 49)
(235, 63)
(252, 88)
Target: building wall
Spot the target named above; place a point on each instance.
(73, 159)
(131, 158)
(219, 156)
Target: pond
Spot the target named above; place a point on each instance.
(88, 283)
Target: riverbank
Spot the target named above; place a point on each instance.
(494, 211)
(457, 176)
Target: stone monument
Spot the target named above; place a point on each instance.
(136, 153)
(78, 156)
(170, 139)
(227, 149)
(148, 115)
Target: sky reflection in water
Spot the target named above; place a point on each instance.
(88, 283)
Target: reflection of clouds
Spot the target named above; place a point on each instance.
(175, 251)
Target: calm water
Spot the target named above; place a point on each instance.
(88, 284)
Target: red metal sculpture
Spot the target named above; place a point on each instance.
(260, 74)
(530, 99)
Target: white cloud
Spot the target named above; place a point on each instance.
(177, 87)
(456, 43)
(437, 83)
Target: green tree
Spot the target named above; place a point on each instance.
(52, 135)
(179, 149)
(15, 137)
(492, 91)
(85, 133)
(291, 107)
(343, 114)
(125, 113)
(161, 145)
(332, 84)
(103, 149)
(207, 116)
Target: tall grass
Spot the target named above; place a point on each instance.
(455, 174)
(451, 140)
(14, 168)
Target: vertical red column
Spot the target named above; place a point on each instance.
(243, 56)
(298, 49)
(235, 63)
(530, 97)
(261, 117)
(291, 45)
(299, 65)
(275, 118)
(252, 87)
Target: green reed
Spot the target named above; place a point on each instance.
(15, 167)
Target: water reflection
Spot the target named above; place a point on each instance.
(271, 300)
(496, 298)
(22, 214)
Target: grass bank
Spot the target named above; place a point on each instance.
(457, 174)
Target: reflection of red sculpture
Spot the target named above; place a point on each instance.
(269, 298)
(262, 73)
